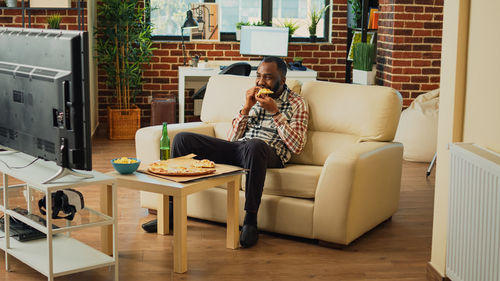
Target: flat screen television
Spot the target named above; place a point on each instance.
(44, 95)
(264, 41)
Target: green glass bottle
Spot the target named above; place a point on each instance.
(164, 143)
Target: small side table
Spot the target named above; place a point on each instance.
(180, 191)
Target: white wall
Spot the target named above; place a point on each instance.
(469, 98)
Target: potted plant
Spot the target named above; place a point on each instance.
(238, 28)
(123, 46)
(242, 23)
(297, 61)
(54, 21)
(292, 27)
(315, 17)
(363, 60)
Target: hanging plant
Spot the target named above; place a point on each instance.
(123, 45)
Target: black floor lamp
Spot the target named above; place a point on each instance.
(188, 24)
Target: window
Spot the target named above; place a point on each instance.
(168, 15)
(297, 12)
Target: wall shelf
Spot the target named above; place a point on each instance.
(365, 10)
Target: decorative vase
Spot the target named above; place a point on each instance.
(238, 34)
(363, 77)
(312, 38)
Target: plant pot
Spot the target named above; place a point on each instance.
(312, 38)
(123, 123)
(238, 34)
(363, 77)
(11, 3)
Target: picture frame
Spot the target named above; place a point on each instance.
(207, 15)
(356, 38)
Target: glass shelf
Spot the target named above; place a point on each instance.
(28, 211)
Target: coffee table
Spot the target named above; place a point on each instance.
(179, 191)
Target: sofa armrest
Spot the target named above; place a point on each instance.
(147, 139)
(358, 189)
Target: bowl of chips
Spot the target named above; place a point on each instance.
(125, 165)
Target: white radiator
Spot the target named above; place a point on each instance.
(473, 247)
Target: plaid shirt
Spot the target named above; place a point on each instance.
(285, 131)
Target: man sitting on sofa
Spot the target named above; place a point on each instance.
(266, 131)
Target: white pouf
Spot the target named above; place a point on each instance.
(417, 128)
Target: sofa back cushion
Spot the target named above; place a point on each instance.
(342, 114)
(339, 114)
(225, 95)
(369, 112)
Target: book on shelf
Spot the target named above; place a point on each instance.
(372, 21)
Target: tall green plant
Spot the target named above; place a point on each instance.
(364, 56)
(315, 16)
(123, 46)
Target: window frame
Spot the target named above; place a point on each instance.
(266, 17)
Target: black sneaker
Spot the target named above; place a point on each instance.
(249, 235)
(152, 226)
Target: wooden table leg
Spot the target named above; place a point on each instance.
(163, 215)
(107, 209)
(180, 234)
(232, 236)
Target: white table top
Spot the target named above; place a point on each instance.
(144, 182)
(38, 172)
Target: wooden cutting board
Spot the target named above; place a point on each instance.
(186, 161)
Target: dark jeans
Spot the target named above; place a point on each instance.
(254, 155)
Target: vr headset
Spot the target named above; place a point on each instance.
(69, 201)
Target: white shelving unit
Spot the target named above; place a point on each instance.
(58, 254)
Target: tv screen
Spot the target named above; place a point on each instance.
(264, 41)
(44, 95)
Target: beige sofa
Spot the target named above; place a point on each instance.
(344, 183)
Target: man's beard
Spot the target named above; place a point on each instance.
(275, 89)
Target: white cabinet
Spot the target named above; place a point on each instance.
(58, 254)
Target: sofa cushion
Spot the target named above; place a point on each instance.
(293, 181)
(320, 145)
(369, 112)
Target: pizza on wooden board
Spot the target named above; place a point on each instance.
(195, 168)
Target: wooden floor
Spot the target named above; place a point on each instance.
(396, 250)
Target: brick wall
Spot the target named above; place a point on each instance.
(161, 81)
(408, 56)
(409, 46)
(13, 17)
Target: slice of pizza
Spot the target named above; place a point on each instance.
(263, 91)
(168, 169)
(205, 163)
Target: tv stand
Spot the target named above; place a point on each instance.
(58, 254)
(65, 172)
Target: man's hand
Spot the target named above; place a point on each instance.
(268, 104)
(250, 100)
